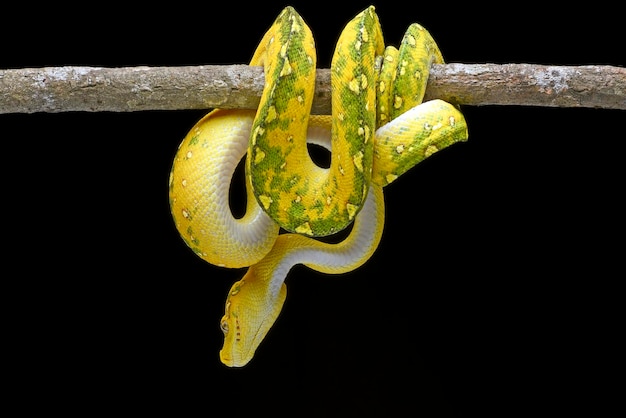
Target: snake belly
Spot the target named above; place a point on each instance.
(379, 128)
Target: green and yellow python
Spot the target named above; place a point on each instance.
(379, 128)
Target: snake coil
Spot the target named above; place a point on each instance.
(379, 128)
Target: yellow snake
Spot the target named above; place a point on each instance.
(379, 128)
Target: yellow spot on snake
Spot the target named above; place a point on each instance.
(305, 228)
(363, 81)
(351, 210)
(390, 178)
(358, 161)
(411, 39)
(397, 102)
(431, 150)
(185, 213)
(381, 86)
(271, 114)
(354, 85)
(357, 45)
(266, 201)
(329, 200)
(364, 35)
(189, 155)
(233, 293)
(257, 132)
(400, 149)
(452, 121)
(184, 182)
(403, 67)
(286, 70)
(295, 27)
(259, 156)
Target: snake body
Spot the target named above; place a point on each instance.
(300, 196)
(378, 130)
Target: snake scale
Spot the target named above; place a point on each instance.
(379, 128)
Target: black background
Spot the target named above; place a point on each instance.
(494, 290)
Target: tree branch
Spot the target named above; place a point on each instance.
(128, 89)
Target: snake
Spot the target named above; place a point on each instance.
(379, 128)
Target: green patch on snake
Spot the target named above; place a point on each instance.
(193, 244)
(293, 180)
(272, 157)
(297, 213)
(197, 251)
(318, 206)
(435, 134)
(194, 140)
(192, 238)
(291, 31)
(275, 114)
(283, 181)
(303, 186)
(339, 64)
(277, 182)
(331, 224)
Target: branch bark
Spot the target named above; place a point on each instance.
(128, 89)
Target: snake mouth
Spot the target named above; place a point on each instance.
(234, 358)
(228, 360)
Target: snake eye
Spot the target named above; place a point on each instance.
(224, 325)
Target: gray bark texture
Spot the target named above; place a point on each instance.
(130, 89)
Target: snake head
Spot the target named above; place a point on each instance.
(251, 310)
